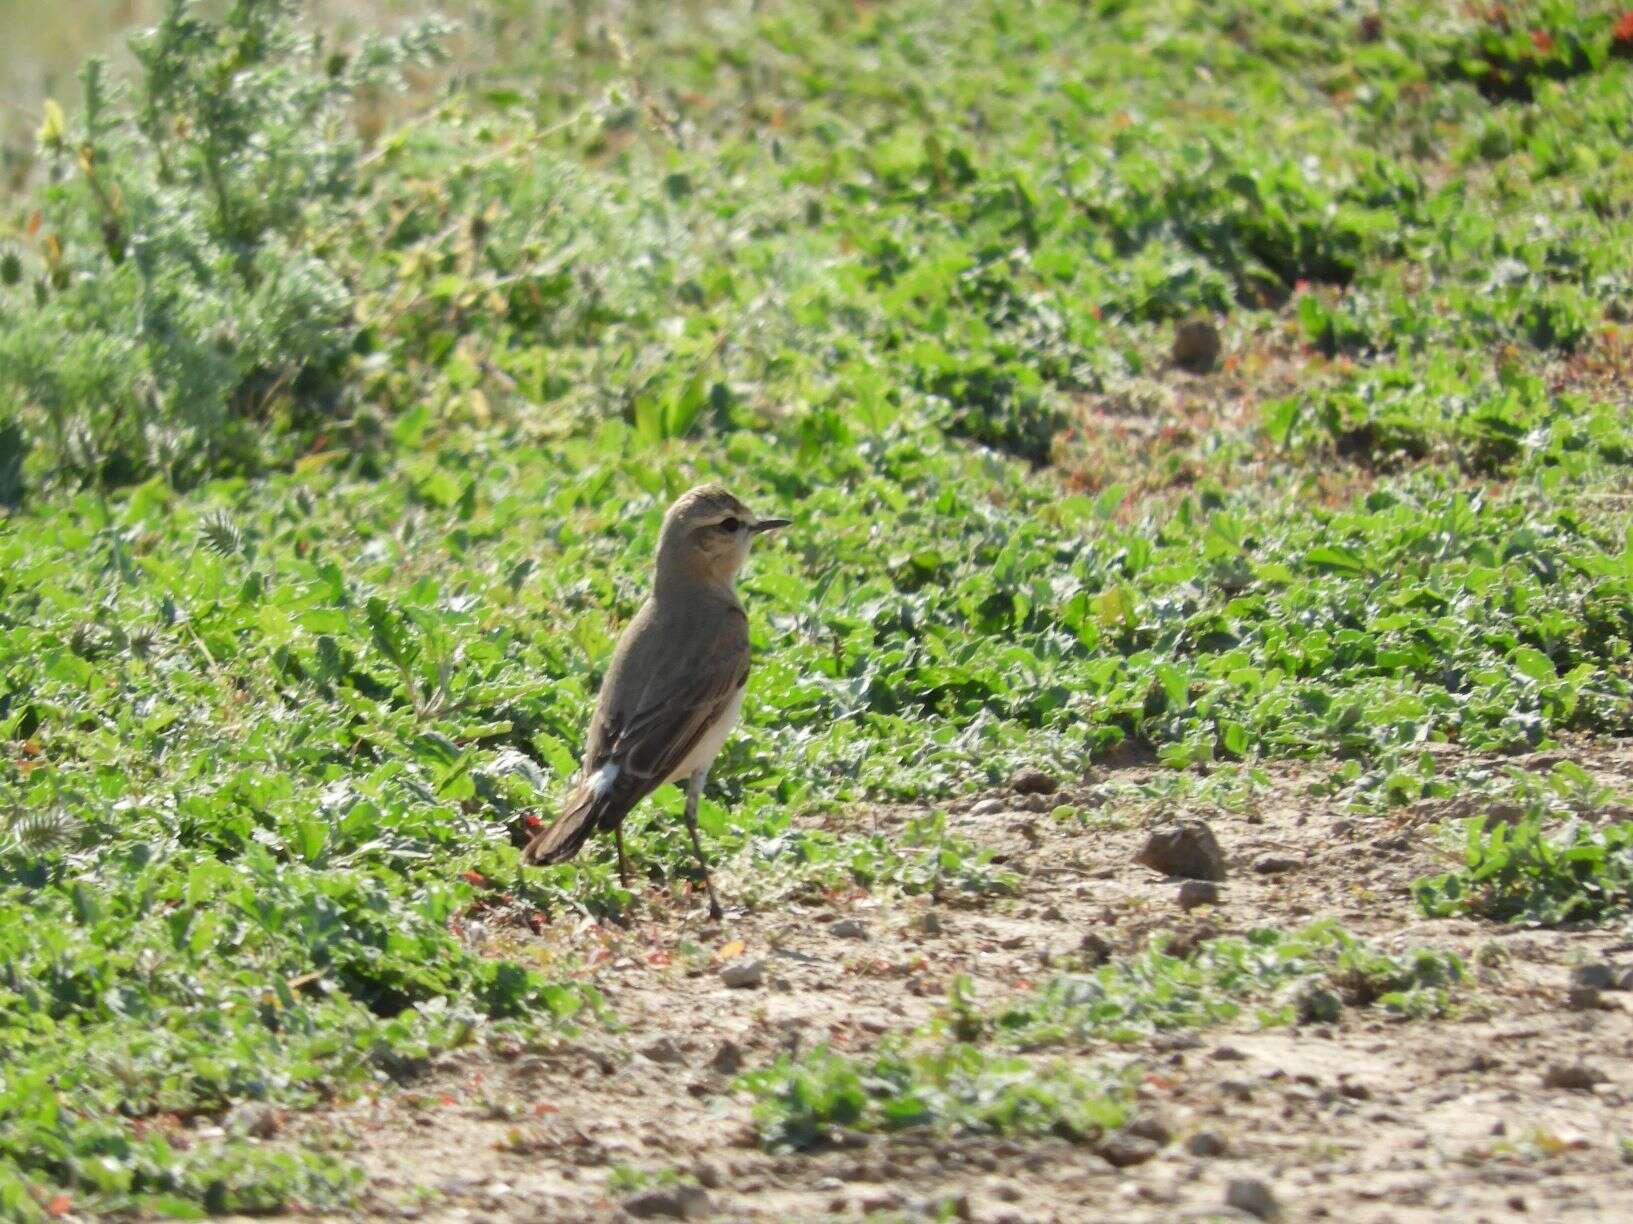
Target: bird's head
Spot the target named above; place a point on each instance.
(706, 535)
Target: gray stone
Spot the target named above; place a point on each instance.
(1253, 1196)
(1196, 346)
(1123, 1150)
(743, 974)
(848, 928)
(1276, 864)
(1186, 848)
(1033, 782)
(679, 1202)
(1195, 893)
(1206, 1144)
(664, 1052)
(1583, 998)
(1578, 1077)
(728, 1059)
(1595, 974)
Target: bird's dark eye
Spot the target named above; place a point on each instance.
(729, 525)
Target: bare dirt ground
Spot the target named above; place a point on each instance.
(1369, 1119)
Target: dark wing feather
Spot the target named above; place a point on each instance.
(671, 713)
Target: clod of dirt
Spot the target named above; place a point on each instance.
(1148, 1127)
(848, 928)
(1033, 782)
(1123, 1150)
(1187, 848)
(1194, 893)
(1003, 1191)
(1196, 346)
(728, 1059)
(1578, 1077)
(1584, 998)
(680, 1202)
(664, 1052)
(1206, 1144)
(1095, 949)
(931, 924)
(743, 974)
(707, 1174)
(1275, 864)
(1596, 975)
(1251, 1195)
(1316, 1004)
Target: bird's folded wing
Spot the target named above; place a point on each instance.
(672, 712)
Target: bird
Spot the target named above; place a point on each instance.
(674, 689)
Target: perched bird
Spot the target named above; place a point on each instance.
(675, 686)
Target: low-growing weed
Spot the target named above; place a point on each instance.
(955, 1074)
(1269, 976)
(802, 1102)
(1536, 871)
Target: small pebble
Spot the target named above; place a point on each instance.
(1578, 1077)
(728, 1059)
(1187, 848)
(1251, 1195)
(1194, 893)
(987, 807)
(743, 974)
(1275, 864)
(707, 1174)
(1123, 1150)
(1596, 975)
(1583, 998)
(677, 1202)
(1033, 782)
(1196, 346)
(1205, 1143)
(1095, 949)
(849, 928)
(1003, 1191)
(931, 924)
(1150, 1127)
(664, 1052)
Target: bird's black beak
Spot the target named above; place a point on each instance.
(768, 525)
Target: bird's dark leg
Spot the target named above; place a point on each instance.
(623, 863)
(694, 791)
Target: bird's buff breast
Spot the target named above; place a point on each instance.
(709, 746)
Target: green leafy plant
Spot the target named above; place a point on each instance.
(1271, 976)
(802, 1102)
(1533, 871)
(186, 303)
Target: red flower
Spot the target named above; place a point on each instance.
(1622, 35)
(476, 878)
(532, 821)
(1542, 41)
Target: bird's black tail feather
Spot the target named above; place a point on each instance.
(582, 816)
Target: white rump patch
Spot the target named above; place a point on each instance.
(604, 777)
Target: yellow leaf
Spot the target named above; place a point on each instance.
(735, 948)
(53, 126)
